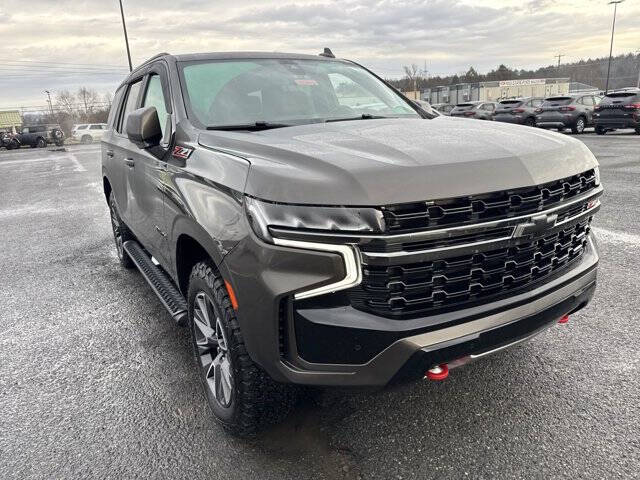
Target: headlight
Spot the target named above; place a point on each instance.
(265, 215)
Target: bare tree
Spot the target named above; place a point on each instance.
(65, 101)
(108, 99)
(87, 98)
(412, 75)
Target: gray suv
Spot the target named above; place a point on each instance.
(519, 110)
(476, 110)
(574, 112)
(312, 226)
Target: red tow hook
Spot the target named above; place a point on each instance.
(439, 372)
(564, 319)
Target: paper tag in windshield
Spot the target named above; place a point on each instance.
(306, 82)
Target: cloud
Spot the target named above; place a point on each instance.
(450, 35)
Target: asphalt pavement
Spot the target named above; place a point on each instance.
(96, 381)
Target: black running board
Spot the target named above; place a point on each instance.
(168, 294)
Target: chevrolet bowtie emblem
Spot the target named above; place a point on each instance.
(537, 224)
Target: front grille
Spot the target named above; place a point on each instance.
(412, 289)
(408, 217)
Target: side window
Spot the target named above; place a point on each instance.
(596, 100)
(95, 127)
(117, 99)
(537, 102)
(130, 104)
(155, 98)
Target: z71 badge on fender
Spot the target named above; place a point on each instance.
(181, 152)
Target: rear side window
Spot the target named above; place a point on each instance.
(621, 98)
(95, 127)
(511, 102)
(554, 101)
(155, 98)
(130, 104)
(113, 110)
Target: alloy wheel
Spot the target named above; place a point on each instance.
(212, 350)
(580, 125)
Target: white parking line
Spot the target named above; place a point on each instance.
(33, 160)
(79, 167)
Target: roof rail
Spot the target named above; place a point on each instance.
(152, 59)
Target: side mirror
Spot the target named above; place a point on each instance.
(143, 127)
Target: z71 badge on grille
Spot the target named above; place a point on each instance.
(181, 152)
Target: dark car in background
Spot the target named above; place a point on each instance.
(477, 110)
(519, 110)
(38, 136)
(443, 108)
(618, 110)
(567, 111)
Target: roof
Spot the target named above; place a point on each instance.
(10, 118)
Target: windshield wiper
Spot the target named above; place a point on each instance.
(364, 116)
(254, 127)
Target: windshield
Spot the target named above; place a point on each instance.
(511, 102)
(555, 101)
(285, 92)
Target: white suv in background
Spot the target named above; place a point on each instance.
(88, 132)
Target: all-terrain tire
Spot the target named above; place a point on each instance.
(257, 401)
(121, 233)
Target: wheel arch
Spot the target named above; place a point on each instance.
(106, 186)
(194, 245)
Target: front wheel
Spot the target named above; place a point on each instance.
(530, 122)
(600, 130)
(242, 397)
(41, 142)
(637, 130)
(120, 233)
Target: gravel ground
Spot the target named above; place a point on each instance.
(96, 381)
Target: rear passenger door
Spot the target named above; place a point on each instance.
(118, 149)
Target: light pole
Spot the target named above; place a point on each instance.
(638, 52)
(49, 100)
(126, 39)
(613, 28)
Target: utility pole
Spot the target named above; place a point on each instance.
(613, 28)
(559, 56)
(126, 39)
(638, 52)
(49, 100)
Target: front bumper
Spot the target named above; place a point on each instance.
(284, 335)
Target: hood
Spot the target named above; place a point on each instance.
(388, 161)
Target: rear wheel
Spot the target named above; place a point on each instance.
(578, 127)
(120, 233)
(530, 122)
(86, 139)
(560, 129)
(600, 130)
(637, 130)
(242, 397)
(41, 142)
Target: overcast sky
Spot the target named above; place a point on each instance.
(450, 35)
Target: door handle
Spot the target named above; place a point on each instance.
(129, 162)
(110, 153)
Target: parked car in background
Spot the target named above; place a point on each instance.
(620, 109)
(519, 110)
(477, 110)
(5, 137)
(88, 132)
(443, 108)
(567, 111)
(38, 136)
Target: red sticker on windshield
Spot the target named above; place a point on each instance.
(306, 81)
